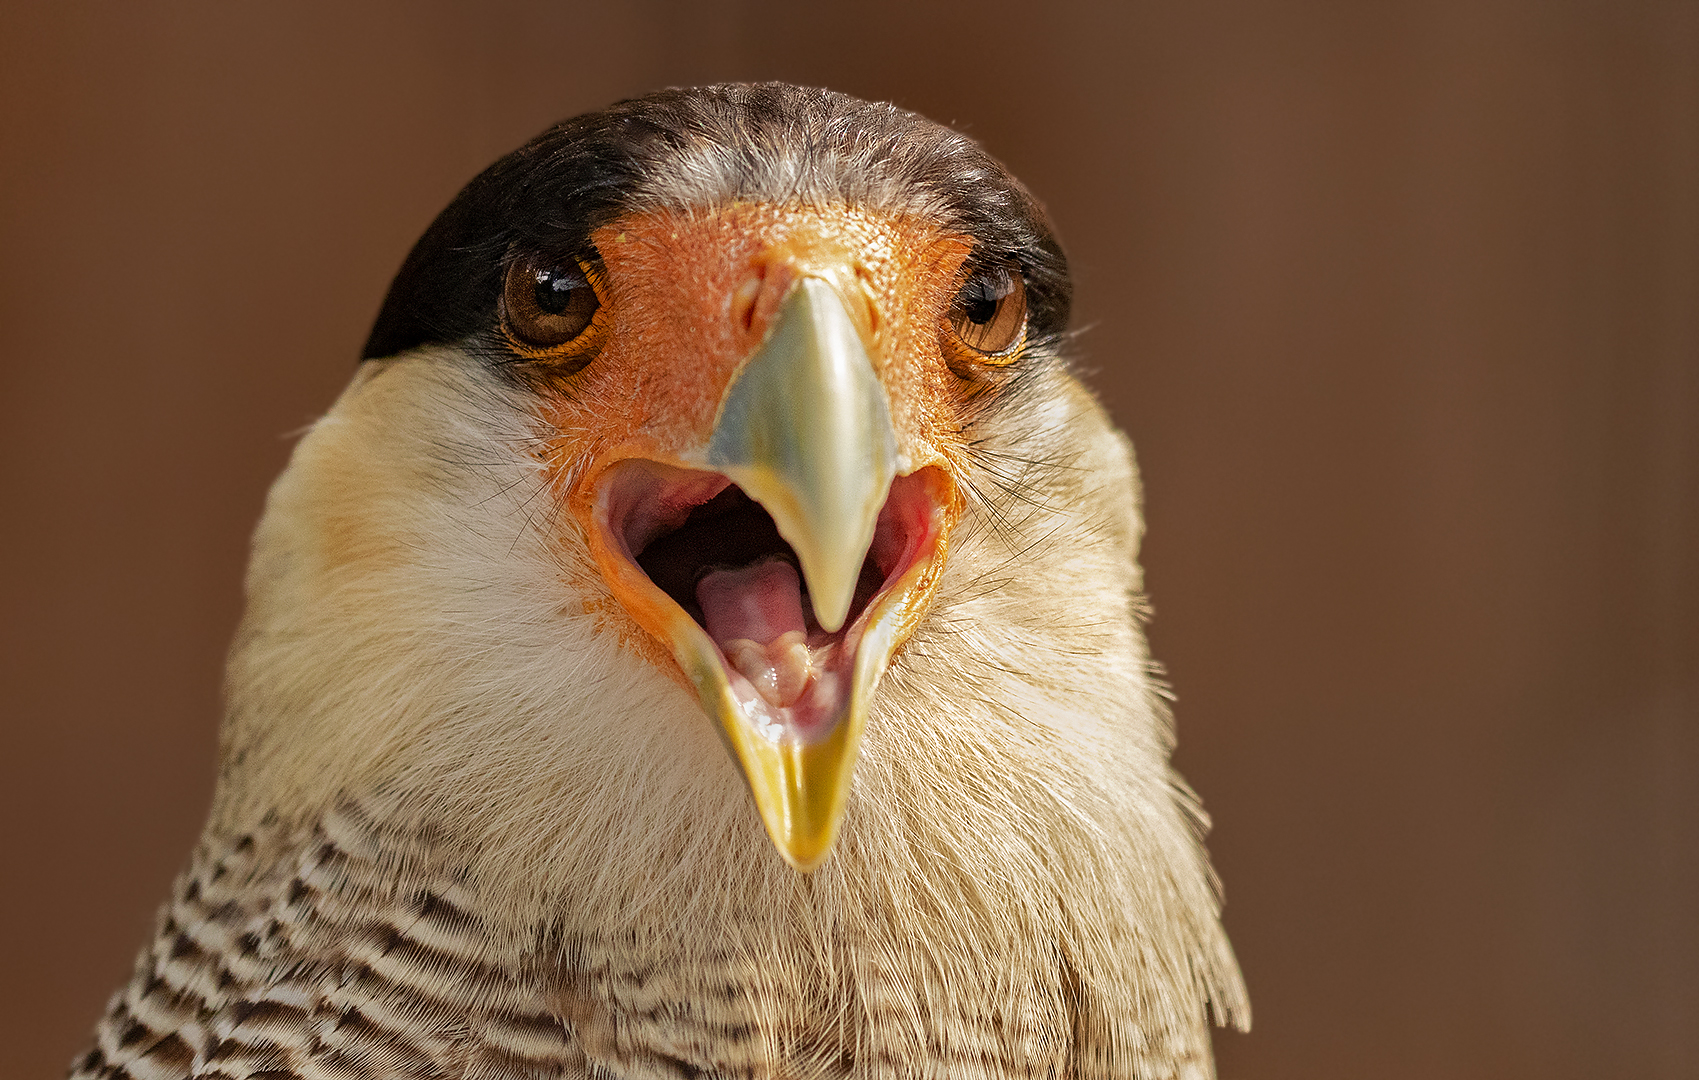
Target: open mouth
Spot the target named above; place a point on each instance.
(703, 566)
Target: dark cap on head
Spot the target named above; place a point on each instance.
(698, 148)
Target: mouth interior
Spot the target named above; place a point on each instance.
(717, 554)
(727, 566)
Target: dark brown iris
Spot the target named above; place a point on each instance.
(989, 313)
(548, 306)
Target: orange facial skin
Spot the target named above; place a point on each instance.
(687, 297)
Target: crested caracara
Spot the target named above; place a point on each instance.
(703, 641)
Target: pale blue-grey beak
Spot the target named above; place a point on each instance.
(805, 430)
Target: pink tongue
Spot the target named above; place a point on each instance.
(758, 602)
(754, 614)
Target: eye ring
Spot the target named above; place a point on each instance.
(552, 310)
(988, 316)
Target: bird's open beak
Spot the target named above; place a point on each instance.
(805, 431)
(784, 637)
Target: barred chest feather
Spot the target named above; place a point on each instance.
(310, 955)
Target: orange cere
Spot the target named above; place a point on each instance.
(689, 296)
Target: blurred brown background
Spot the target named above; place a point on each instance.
(1400, 303)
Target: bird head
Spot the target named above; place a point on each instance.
(720, 444)
(750, 358)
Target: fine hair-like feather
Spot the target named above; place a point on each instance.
(462, 829)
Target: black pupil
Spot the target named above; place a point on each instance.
(981, 297)
(555, 289)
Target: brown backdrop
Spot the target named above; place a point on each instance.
(1400, 303)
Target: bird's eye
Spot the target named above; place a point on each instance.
(989, 314)
(549, 305)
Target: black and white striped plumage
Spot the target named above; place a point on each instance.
(471, 824)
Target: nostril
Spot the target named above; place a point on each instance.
(757, 300)
(743, 300)
(869, 296)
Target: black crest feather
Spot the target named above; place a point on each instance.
(700, 147)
